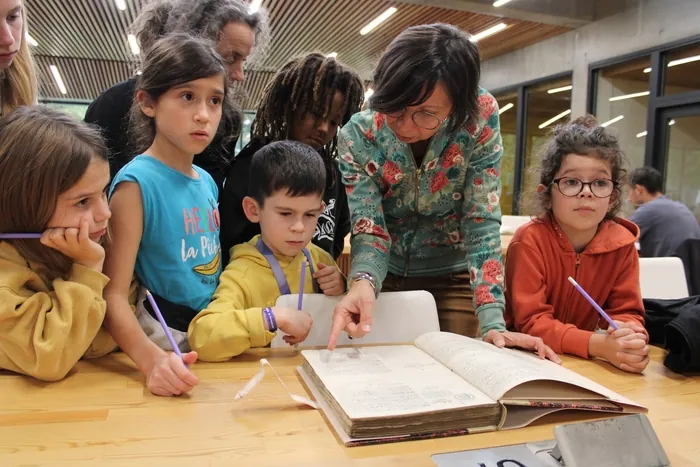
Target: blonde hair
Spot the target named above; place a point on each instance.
(19, 86)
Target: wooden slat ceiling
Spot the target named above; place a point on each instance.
(86, 39)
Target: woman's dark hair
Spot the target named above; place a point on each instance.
(173, 60)
(419, 58)
(582, 136)
(286, 165)
(204, 18)
(307, 85)
(43, 153)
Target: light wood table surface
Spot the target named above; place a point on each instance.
(102, 415)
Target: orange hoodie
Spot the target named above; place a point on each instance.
(540, 300)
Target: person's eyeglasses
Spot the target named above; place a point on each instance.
(422, 118)
(601, 187)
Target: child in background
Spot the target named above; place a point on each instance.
(577, 234)
(54, 176)
(166, 222)
(287, 180)
(18, 83)
(307, 101)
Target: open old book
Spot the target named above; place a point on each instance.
(444, 385)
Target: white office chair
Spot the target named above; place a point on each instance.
(662, 278)
(509, 224)
(398, 317)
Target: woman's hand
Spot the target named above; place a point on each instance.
(354, 313)
(523, 341)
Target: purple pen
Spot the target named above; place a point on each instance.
(17, 236)
(166, 329)
(301, 284)
(595, 305)
(302, 279)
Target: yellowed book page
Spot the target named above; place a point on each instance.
(496, 371)
(387, 381)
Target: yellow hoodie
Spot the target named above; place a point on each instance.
(46, 327)
(233, 323)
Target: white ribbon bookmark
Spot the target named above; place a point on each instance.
(259, 377)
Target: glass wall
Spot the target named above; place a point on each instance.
(683, 162)
(622, 102)
(508, 110)
(76, 109)
(626, 101)
(244, 138)
(548, 105)
(682, 73)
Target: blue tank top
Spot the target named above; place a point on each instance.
(179, 255)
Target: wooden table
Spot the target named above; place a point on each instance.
(102, 415)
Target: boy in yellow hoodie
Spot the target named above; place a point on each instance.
(288, 180)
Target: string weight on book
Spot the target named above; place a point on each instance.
(255, 380)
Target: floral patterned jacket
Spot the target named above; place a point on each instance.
(439, 218)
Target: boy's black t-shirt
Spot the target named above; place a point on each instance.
(333, 224)
(110, 112)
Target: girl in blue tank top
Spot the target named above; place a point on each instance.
(164, 209)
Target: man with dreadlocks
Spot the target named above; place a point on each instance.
(307, 101)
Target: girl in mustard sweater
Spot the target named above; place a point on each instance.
(53, 174)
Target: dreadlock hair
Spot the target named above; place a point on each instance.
(307, 84)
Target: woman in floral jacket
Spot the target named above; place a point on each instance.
(421, 170)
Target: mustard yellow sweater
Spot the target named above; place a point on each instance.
(233, 323)
(47, 326)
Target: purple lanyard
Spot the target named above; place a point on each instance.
(277, 269)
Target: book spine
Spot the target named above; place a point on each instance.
(398, 439)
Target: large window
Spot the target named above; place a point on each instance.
(527, 113)
(507, 104)
(76, 109)
(548, 105)
(682, 72)
(652, 103)
(244, 138)
(622, 103)
(683, 161)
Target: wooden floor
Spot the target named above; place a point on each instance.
(102, 415)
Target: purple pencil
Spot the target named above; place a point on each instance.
(163, 324)
(302, 279)
(594, 304)
(17, 236)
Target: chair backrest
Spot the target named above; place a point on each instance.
(689, 253)
(662, 278)
(398, 317)
(509, 224)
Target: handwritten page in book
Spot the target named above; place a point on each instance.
(371, 382)
(496, 371)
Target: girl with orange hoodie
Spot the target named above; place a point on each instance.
(576, 233)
